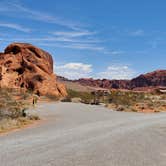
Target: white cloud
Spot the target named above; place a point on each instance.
(73, 70)
(136, 33)
(117, 72)
(15, 26)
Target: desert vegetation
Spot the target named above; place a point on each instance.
(136, 101)
(13, 106)
(122, 100)
(84, 97)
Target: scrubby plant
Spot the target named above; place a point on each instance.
(13, 111)
(86, 97)
(137, 101)
(66, 99)
(9, 107)
(126, 97)
(52, 97)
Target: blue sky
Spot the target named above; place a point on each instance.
(113, 39)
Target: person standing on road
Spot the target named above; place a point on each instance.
(34, 100)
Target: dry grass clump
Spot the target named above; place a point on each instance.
(13, 111)
(7, 124)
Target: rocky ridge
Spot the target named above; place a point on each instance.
(143, 82)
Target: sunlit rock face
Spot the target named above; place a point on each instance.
(23, 65)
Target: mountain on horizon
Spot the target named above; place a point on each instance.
(146, 81)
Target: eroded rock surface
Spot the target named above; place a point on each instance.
(23, 65)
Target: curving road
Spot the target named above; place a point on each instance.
(84, 135)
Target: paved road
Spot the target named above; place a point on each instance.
(84, 135)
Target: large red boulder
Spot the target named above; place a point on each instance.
(23, 65)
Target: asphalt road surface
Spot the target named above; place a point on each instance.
(85, 135)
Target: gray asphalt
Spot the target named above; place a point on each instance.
(83, 135)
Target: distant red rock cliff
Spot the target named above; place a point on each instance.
(23, 65)
(153, 79)
(142, 82)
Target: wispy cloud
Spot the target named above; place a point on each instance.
(82, 46)
(15, 26)
(51, 39)
(75, 39)
(85, 47)
(117, 71)
(114, 52)
(14, 10)
(77, 36)
(72, 34)
(59, 43)
(136, 33)
(74, 70)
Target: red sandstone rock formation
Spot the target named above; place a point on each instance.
(153, 79)
(143, 82)
(25, 66)
(104, 83)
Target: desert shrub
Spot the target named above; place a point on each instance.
(33, 117)
(137, 101)
(13, 110)
(86, 97)
(126, 97)
(120, 108)
(133, 110)
(25, 95)
(9, 107)
(66, 99)
(52, 97)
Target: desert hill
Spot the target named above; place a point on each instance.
(143, 82)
